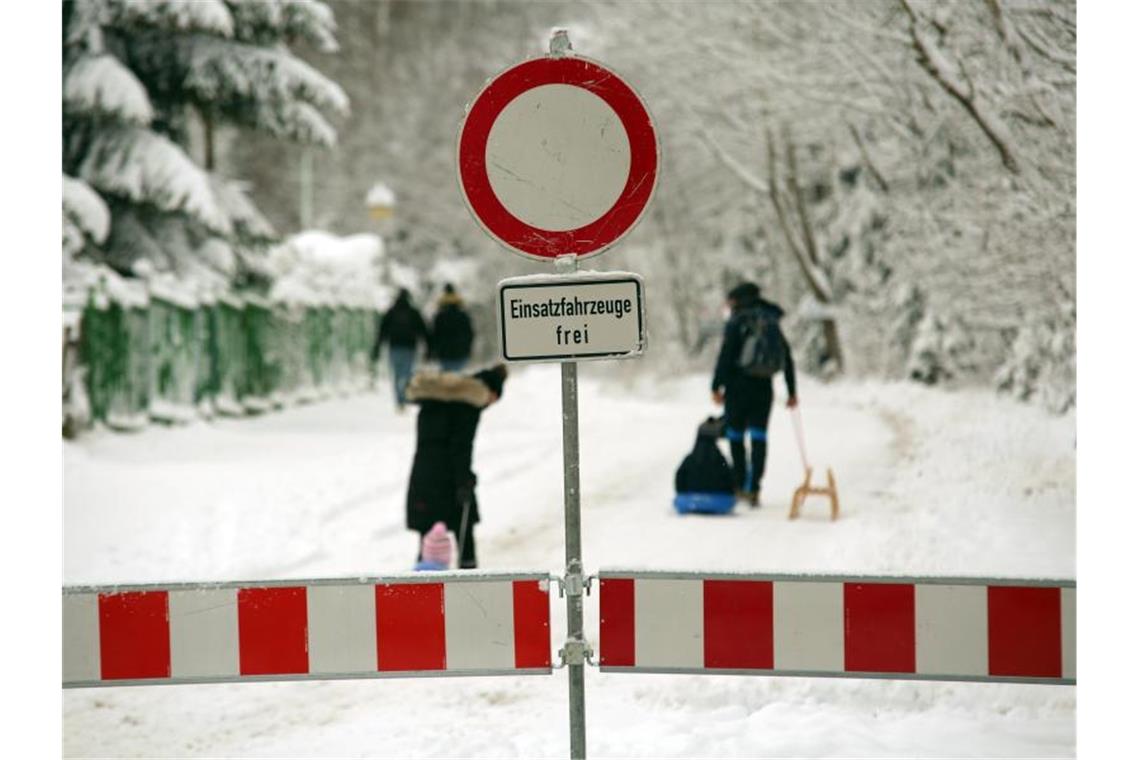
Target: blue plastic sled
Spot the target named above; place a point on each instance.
(704, 503)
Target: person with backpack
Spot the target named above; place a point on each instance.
(451, 333)
(441, 487)
(752, 351)
(402, 328)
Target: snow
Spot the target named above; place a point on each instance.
(288, 18)
(166, 287)
(83, 208)
(148, 168)
(210, 16)
(101, 285)
(314, 21)
(931, 483)
(101, 86)
(461, 273)
(381, 195)
(233, 196)
(297, 120)
(280, 89)
(405, 276)
(318, 267)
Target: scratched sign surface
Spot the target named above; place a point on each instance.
(557, 156)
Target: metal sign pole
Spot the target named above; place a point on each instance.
(575, 650)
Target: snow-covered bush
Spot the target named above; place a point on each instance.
(316, 267)
(941, 351)
(1042, 365)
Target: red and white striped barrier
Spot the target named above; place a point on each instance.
(428, 624)
(921, 628)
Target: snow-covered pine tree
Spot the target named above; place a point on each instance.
(143, 79)
(1041, 364)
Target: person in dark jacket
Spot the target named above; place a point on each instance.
(704, 480)
(451, 333)
(747, 398)
(402, 328)
(442, 485)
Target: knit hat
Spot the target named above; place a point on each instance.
(745, 293)
(436, 547)
(493, 378)
(712, 427)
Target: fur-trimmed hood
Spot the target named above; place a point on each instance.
(448, 386)
(450, 299)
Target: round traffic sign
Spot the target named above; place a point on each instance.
(557, 155)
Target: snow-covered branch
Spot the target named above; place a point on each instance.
(85, 216)
(948, 76)
(144, 167)
(222, 68)
(244, 216)
(732, 164)
(208, 16)
(816, 278)
(99, 86)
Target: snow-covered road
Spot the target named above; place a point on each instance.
(931, 483)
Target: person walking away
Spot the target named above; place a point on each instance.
(752, 351)
(451, 333)
(402, 328)
(441, 487)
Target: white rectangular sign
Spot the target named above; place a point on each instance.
(587, 315)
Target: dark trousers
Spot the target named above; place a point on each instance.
(402, 360)
(467, 555)
(747, 409)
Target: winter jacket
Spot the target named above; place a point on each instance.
(451, 333)
(402, 325)
(728, 374)
(442, 479)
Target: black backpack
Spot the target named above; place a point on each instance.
(762, 350)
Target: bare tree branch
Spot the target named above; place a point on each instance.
(734, 166)
(810, 244)
(936, 64)
(875, 31)
(867, 159)
(816, 279)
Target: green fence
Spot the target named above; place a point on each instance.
(171, 362)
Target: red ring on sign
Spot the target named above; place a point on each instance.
(476, 185)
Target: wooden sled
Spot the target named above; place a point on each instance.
(807, 489)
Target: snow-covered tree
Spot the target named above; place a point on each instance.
(145, 83)
(897, 146)
(932, 141)
(1042, 364)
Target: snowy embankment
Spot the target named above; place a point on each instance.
(931, 482)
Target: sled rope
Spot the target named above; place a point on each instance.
(798, 425)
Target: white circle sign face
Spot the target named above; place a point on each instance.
(558, 157)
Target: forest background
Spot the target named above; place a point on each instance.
(899, 174)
